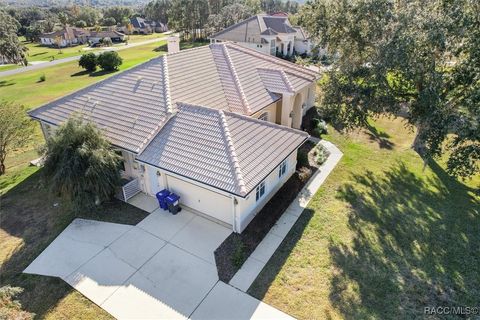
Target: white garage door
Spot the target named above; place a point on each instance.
(205, 201)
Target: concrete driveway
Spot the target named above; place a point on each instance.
(162, 268)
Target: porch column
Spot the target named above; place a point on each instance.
(287, 107)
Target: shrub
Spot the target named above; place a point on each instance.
(321, 154)
(109, 61)
(304, 173)
(10, 308)
(88, 62)
(42, 78)
(80, 24)
(302, 159)
(110, 21)
(107, 42)
(319, 127)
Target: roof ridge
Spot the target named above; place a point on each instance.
(243, 98)
(283, 75)
(272, 59)
(233, 155)
(263, 122)
(166, 86)
(287, 81)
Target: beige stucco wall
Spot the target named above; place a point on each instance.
(248, 207)
(271, 110)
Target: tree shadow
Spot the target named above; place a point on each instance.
(381, 137)
(92, 74)
(415, 245)
(6, 83)
(38, 54)
(31, 218)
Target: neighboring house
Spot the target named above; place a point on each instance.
(143, 26)
(68, 36)
(212, 124)
(270, 34)
(115, 36)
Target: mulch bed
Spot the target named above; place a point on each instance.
(235, 250)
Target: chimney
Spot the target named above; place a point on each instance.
(173, 44)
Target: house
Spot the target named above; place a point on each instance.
(270, 34)
(97, 36)
(216, 124)
(68, 36)
(144, 26)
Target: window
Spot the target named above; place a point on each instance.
(264, 116)
(260, 191)
(272, 47)
(282, 168)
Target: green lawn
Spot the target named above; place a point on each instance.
(5, 67)
(383, 238)
(38, 52)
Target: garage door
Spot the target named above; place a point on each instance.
(203, 200)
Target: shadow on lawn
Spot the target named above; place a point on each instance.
(28, 214)
(92, 74)
(382, 138)
(415, 244)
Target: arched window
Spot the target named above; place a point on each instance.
(264, 116)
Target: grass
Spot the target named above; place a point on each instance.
(29, 222)
(383, 238)
(39, 52)
(6, 67)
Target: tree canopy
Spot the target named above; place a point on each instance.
(11, 49)
(80, 164)
(15, 130)
(418, 59)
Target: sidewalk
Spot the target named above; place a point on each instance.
(247, 274)
(36, 66)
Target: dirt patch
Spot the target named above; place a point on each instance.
(235, 250)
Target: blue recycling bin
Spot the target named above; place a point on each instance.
(161, 196)
(173, 203)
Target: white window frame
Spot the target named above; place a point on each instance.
(264, 116)
(260, 191)
(282, 168)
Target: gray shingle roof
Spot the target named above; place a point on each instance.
(132, 106)
(225, 150)
(261, 24)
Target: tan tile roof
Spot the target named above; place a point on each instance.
(132, 106)
(222, 149)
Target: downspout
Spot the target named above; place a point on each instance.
(234, 214)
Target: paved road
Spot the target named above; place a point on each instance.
(59, 61)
